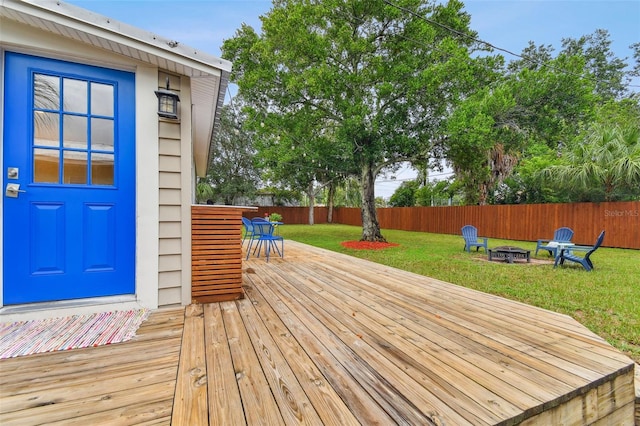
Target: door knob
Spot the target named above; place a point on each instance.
(12, 190)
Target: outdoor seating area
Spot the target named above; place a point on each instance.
(325, 338)
(560, 247)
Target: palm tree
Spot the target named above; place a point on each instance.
(204, 191)
(606, 163)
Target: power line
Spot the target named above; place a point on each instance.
(409, 179)
(492, 46)
(452, 30)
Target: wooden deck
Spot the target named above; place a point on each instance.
(323, 338)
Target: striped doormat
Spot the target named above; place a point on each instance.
(78, 331)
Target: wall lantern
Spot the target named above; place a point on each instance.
(167, 102)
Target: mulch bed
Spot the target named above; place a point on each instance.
(367, 245)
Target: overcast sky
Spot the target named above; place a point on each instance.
(506, 24)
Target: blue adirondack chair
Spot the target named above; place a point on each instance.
(561, 235)
(570, 254)
(470, 235)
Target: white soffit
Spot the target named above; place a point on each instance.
(105, 33)
(207, 96)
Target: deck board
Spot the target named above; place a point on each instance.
(225, 405)
(257, 397)
(394, 392)
(190, 404)
(323, 338)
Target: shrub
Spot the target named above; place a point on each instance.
(275, 217)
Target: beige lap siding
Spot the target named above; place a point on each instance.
(170, 262)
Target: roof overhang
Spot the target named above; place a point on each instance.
(209, 74)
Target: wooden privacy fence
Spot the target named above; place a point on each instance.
(522, 222)
(294, 215)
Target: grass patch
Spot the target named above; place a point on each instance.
(606, 300)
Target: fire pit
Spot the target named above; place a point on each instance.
(509, 253)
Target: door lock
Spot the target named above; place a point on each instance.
(12, 173)
(12, 190)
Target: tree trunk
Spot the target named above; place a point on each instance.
(483, 194)
(370, 225)
(312, 202)
(331, 197)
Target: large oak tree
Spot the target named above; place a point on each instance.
(377, 76)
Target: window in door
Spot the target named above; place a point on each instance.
(74, 128)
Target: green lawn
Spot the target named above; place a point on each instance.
(606, 300)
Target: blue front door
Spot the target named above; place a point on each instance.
(68, 181)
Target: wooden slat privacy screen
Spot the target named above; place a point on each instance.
(216, 253)
(522, 222)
